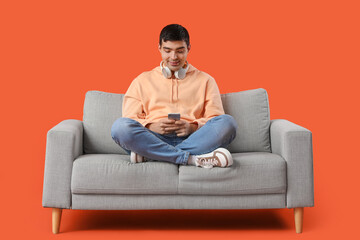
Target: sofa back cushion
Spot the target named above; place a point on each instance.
(250, 109)
(101, 109)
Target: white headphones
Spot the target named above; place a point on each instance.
(179, 74)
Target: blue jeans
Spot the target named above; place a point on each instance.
(129, 134)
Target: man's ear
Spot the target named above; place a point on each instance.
(189, 48)
(159, 47)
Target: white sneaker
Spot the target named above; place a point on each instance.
(136, 158)
(220, 157)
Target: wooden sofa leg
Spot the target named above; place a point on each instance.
(56, 218)
(299, 214)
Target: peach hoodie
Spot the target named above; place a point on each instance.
(151, 97)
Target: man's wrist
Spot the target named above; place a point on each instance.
(194, 127)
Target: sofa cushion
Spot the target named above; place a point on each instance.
(251, 110)
(101, 109)
(251, 173)
(114, 174)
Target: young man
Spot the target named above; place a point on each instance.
(202, 132)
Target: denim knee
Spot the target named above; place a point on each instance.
(228, 123)
(121, 129)
(228, 128)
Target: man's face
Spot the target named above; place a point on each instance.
(173, 54)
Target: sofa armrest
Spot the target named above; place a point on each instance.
(294, 144)
(64, 143)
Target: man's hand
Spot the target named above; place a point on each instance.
(164, 126)
(167, 126)
(184, 128)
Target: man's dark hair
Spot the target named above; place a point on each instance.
(174, 32)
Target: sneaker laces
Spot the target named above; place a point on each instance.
(209, 162)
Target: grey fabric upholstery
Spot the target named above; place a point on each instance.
(294, 144)
(114, 174)
(101, 109)
(137, 202)
(64, 143)
(251, 111)
(251, 173)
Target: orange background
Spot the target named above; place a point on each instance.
(304, 53)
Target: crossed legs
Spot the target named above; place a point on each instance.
(129, 134)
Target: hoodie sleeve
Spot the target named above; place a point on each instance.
(213, 105)
(132, 106)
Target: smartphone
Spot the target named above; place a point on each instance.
(175, 116)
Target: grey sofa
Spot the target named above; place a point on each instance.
(86, 169)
